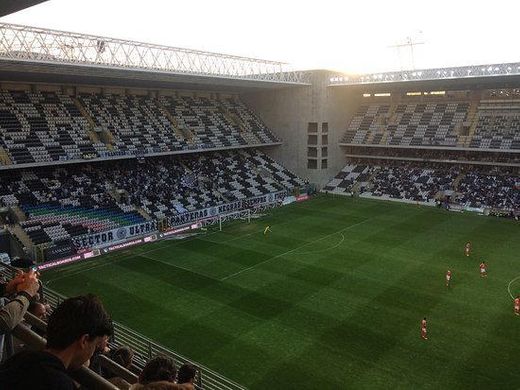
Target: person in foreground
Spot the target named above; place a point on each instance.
(75, 330)
(22, 289)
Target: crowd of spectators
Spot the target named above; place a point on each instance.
(69, 201)
(490, 187)
(498, 189)
(410, 182)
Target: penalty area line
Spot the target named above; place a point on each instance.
(509, 286)
(325, 249)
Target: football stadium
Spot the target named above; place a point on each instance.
(183, 219)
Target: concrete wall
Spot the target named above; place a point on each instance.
(288, 112)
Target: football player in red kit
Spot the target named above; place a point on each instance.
(483, 269)
(517, 305)
(448, 278)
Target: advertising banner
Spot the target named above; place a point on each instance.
(95, 240)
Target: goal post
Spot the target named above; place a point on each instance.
(241, 214)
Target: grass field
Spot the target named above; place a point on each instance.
(332, 298)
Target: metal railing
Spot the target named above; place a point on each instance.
(52, 46)
(145, 349)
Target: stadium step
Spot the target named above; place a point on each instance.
(458, 180)
(181, 133)
(4, 157)
(17, 231)
(91, 130)
(233, 118)
(116, 193)
(107, 138)
(143, 213)
(18, 212)
(473, 119)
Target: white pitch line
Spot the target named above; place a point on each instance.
(326, 249)
(292, 250)
(179, 267)
(509, 286)
(103, 264)
(127, 256)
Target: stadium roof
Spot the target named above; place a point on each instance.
(490, 74)
(10, 6)
(57, 55)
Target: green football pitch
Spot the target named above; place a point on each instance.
(331, 298)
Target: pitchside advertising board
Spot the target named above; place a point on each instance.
(212, 212)
(120, 234)
(102, 239)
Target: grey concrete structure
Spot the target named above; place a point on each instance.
(310, 120)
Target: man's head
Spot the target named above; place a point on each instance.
(38, 309)
(78, 325)
(123, 356)
(186, 373)
(160, 368)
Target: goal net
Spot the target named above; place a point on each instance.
(244, 215)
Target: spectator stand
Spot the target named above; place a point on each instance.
(488, 190)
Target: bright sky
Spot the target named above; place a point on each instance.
(350, 36)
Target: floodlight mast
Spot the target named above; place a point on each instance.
(410, 43)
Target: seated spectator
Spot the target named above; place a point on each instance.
(24, 286)
(38, 309)
(122, 356)
(76, 328)
(186, 373)
(159, 373)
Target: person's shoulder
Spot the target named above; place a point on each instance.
(23, 358)
(36, 370)
(59, 380)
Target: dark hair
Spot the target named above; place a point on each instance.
(160, 368)
(186, 373)
(33, 305)
(76, 317)
(122, 356)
